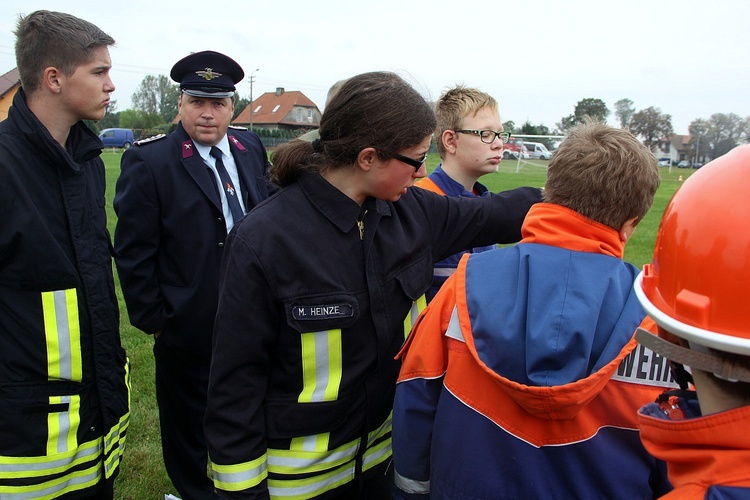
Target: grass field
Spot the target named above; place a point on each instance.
(143, 476)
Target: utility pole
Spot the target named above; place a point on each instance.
(697, 150)
(252, 109)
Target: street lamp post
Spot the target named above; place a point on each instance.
(697, 151)
(252, 79)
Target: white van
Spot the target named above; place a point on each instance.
(537, 150)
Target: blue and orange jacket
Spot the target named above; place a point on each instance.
(707, 456)
(522, 378)
(439, 182)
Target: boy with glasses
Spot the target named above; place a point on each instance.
(470, 140)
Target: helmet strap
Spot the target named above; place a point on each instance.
(724, 369)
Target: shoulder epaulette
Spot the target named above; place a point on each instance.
(237, 127)
(149, 139)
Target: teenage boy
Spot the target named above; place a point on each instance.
(64, 397)
(509, 386)
(470, 140)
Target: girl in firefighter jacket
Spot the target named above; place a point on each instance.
(319, 286)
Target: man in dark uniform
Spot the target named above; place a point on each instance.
(177, 198)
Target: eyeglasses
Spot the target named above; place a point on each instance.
(417, 164)
(487, 136)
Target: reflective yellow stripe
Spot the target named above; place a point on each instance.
(416, 308)
(377, 454)
(63, 335)
(62, 426)
(240, 476)
(298, 461)
(302, 462)
(75, 481)
(342, 460)
(114, 440)
(114, 445)
(298, 489)
(321, 366)
(317, 442)
(61, 466)
(385, 428)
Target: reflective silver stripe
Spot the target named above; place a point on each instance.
(294, 462)
(343, 458)
(37, 466)
(240, 477)
(377, 454)
(382, 430)
(114, 444)
(443, 271)
(316, 442)
(75, 481)
(321, 366)
(62, 426)
(297, 460)
(64, 468)
(63, 336)
(411, 485)
(454, 328)
(311, 487)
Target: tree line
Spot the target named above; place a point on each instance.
(155, 107)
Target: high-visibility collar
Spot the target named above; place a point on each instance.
(555, 225)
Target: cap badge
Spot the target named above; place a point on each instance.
(209, 74)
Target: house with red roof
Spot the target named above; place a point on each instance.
(10, 82)
(280, 110)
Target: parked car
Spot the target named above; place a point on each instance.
(664, 162)
(697, 165)
(537, 150)
(683, 164)
(117, 137)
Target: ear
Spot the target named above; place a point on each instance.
(449, 138)
(52, 79)
(367, 158)
(627, 229)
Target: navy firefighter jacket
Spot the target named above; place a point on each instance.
(64, 385)
(316, 298)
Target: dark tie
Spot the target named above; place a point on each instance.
(227, 186)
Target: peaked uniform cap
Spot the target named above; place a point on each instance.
(207, 74)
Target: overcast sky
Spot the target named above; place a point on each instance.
(538, 59)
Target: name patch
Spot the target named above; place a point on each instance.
(322, 311)
(644, 366)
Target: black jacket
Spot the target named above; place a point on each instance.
(170, 234)
(316, 300)
(63, 373)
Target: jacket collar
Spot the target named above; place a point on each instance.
(82, 145)
(341, 210)
(709, 450)
(452, 187)
(555, 225)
